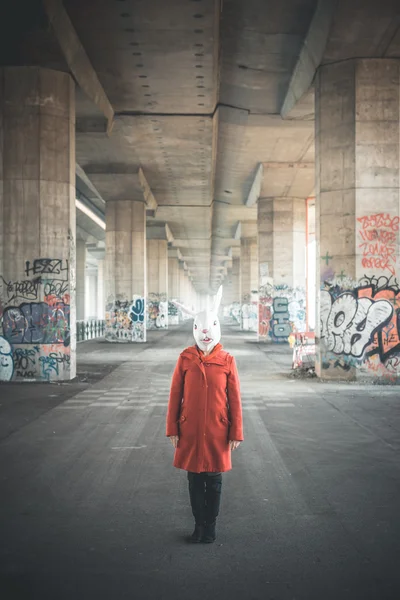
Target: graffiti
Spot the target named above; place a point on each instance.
(22, 290)
(50, 364)
(281, 311)
(378, 234)
(6, 360)
(125, 320)
(326, 258)
(52, 266)
(157, 311)
(235, 312)
(281, 327)
(37, 323)
(362, 326)
(173, 314)
(249, 311)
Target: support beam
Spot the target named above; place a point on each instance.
(255, 189)
(151, 202)
(77, 59)
(310, 55)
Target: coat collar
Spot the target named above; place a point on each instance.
(216, 357)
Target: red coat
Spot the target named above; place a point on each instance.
(205, 410)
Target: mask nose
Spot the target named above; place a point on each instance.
(204, 330)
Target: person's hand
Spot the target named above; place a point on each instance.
(174, 440)
(233, 444)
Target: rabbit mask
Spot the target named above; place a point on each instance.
(206, 325)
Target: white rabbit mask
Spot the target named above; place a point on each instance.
(206, 325)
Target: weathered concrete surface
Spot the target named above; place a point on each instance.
(92, 507)
(358, 147)
(282, 267)
(157, 284)
(249, 283)
(126, 271)
(37, 213)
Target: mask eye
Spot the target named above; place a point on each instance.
(195, 326)
(215, 322)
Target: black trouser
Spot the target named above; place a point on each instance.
(205, 495)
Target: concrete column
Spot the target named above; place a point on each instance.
(100, 288)
(80, 279)
(234, 290)
(37, 213)
(173, 290)
(91, 294)
(157, 284)
(357, 220)
(125, 271)
(249, 283)
(282, 267)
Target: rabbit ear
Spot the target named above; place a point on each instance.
(184, 308)
(217, 299)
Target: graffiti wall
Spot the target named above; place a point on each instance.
(249, 313)
(360, 318)
(361, 327)
(157, 311)
(281, 311)
(35, 323)
(125, 320)
(173, 314)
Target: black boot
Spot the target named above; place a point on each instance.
(213, 499)
(197, 502)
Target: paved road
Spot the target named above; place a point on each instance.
(91, 507)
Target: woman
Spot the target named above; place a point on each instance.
(204, 419)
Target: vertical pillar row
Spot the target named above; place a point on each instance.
(37, 215)
(357, 218)
(125, 271)
(282, 268)
(249, 283)
(157, 284)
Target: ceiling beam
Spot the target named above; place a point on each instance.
(289, 165)
(151, 202)
(255, 189)
(310, 56)
(77, 59)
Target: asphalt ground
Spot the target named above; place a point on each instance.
(91, 507)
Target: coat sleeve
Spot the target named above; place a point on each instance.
(235, 404)
(175, 398)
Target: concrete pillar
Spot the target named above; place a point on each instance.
(80, 279)
(100, 289)
(173, 290)
(157, 284)
(233, 298)
(357, 220)
(282, 267)
(37, 216)
(91, 294)
(125, 271)
(249, 283)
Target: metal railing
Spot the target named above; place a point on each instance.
(89, 330)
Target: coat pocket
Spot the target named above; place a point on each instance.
(181, 419)
(225, 420)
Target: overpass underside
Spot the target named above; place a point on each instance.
(153, 151)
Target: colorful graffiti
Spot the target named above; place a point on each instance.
(378, 242)
(125, 320)
(361, 327)
(281, 311)
(157, 311)
(35, 315)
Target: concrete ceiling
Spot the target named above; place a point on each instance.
(194, 91)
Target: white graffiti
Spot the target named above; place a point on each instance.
(348, 324)
(6, 360)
